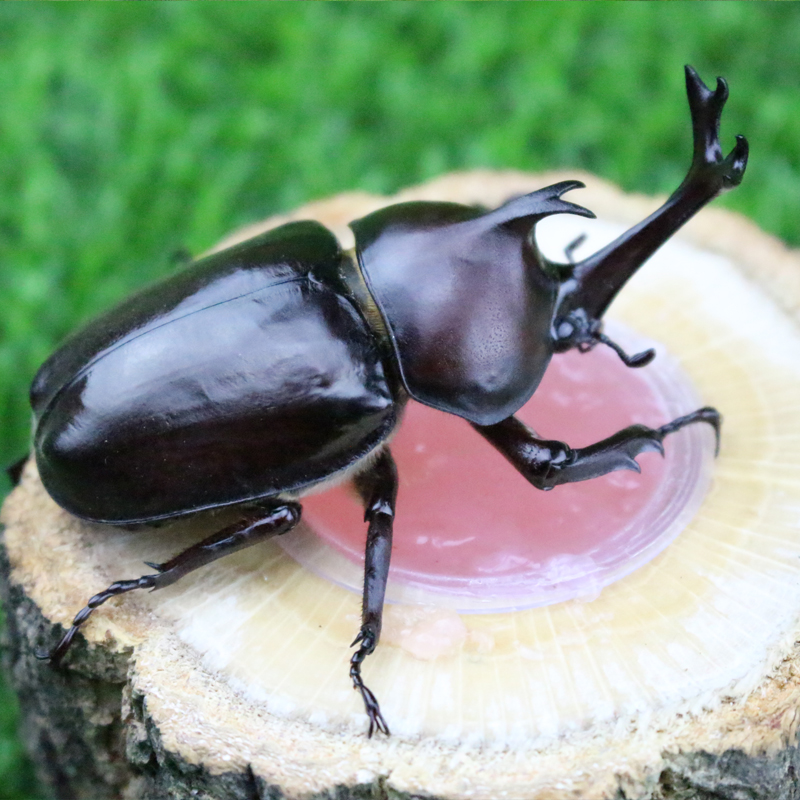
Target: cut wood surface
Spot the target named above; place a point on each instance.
(679, 681)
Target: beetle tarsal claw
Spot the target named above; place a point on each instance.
(376, 720)
(706, 414)
(371, 706)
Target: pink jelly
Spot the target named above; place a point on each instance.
(471, 533)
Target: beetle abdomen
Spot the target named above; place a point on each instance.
(268, 391)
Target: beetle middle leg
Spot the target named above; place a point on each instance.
(546, 464)
(378, 488)
(270, 519)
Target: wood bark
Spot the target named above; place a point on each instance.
(136, 714)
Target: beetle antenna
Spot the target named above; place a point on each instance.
(636, 360)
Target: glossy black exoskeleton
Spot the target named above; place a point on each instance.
(269, 368)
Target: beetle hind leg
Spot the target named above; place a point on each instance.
(706, 414)
(267, 521)
(378, 488)
(546, 464)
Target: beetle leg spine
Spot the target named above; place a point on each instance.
(277, 519)
(546, 464)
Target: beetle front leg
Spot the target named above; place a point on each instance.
(596, 280)
(280, 517)
(378, 489)
(546, 464)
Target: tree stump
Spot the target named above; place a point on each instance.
(678, 681)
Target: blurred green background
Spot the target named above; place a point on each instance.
(131, 131)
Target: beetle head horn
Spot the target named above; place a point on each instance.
(530, 208)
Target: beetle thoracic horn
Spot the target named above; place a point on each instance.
(538, 205)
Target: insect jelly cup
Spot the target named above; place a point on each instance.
(472, 537)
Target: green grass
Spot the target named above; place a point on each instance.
(128, 131)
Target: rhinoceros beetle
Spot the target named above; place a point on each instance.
(269, 368)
